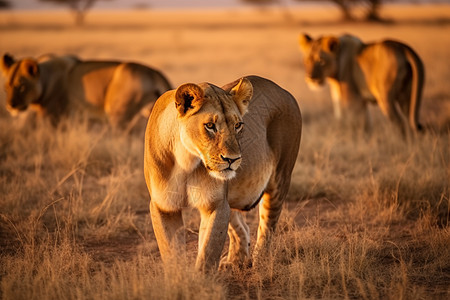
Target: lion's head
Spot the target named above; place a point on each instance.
(211, 123)
(319, 57)
(22, 83)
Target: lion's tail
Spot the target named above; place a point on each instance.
(418, 78)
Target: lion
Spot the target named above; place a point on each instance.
(54, 86)
(388, 72)
(220, 150)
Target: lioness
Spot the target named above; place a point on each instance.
(389, 73)
(218, 149)
(58, 85)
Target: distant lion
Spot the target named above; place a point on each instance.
(388, 72)
(60, 85)
(218, 149)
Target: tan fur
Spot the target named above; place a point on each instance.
(199, 153)
(388, 72)
(60, 85)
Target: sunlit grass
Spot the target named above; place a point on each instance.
(368, 219)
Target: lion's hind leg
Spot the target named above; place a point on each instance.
(392, 108)
(269, 213)
(239, 235)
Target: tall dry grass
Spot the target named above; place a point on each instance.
(367, 216)
(367, 219)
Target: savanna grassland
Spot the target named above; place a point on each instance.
(367, 216)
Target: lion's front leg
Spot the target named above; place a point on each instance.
(212, 236)
(336, 97)
(169, 232)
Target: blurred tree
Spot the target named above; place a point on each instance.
(4, 4)
(374, 10)
(78, 7)
(371, 7)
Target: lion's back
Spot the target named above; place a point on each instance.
(270, 141)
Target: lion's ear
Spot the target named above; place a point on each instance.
(188, 99)
(304, 41)
(242, 94)
(333, 44)
(6, 63)
(30, 67)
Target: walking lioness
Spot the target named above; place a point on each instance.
(59, 85)
(218, 149)
(389, 73)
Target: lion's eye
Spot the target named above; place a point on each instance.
(238, 126)
(210, 126)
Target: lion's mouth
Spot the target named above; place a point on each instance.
(14, 110)
(226, 173)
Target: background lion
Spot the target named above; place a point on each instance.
(59, 85)
(388, 72)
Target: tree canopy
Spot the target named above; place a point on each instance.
(78, 7)
(4, 4)
(371, 7)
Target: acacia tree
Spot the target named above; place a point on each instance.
(374, 10)
(371, 7)
(4, 4)
(78, 7)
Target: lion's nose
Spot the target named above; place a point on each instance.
(229, 160)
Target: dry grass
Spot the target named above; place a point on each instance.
(367, 217)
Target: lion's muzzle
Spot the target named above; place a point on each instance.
(15, 108)
(227, 169)
(230, 162)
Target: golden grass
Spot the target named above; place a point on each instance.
(367, 217)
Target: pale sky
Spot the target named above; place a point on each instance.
(36, 4)
(170, 4)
